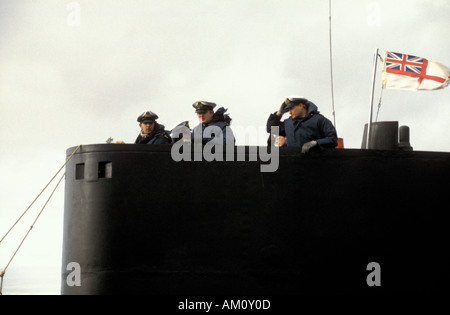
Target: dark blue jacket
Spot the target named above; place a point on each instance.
(313, 126)
(158, 136)
(221, 120)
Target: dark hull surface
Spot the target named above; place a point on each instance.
(138, 222)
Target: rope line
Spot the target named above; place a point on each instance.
(29, 230)
(379, 104)
(381, 94)
(12, 227)
(2, 273)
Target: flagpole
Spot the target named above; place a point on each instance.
(369, 125)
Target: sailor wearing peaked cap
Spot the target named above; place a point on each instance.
(207, 118)
(151, 131)
(306, 128)
(293, 101)
(203, 106)
(147, 116)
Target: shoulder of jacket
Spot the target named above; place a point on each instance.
(220, 124)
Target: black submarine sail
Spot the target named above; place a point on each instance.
(137, 222)
(346, 221)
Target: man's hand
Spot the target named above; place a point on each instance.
(281, 141)
(308, 146)
(282, 109)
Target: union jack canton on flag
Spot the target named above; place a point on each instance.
(407, 72)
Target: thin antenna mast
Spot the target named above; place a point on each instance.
(369, 125)
(331, 67)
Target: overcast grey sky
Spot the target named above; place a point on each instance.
(78, 72)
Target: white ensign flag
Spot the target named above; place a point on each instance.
(407, 72)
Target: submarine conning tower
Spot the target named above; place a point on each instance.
(137, 222)
(386, 135)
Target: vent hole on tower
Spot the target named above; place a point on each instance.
(105, 170)
(79, 171)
